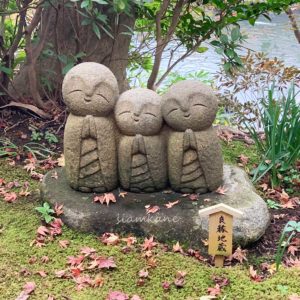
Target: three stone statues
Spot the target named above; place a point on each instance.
(140, 139)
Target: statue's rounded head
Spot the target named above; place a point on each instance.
(90, 89)
(189, 104)
(138, 111)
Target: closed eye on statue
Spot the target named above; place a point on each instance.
(199, 104)
(103, 97)
(124, 112)
(172, 110)
(74, 91)
(151, 114)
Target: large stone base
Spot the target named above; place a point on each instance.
(180, 223)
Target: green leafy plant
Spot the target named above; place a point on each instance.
(51, 137)
(9, 149)
(227, 45)
(46, 212)
(279, 146)
(291, 181)
(273, 204)
(283, 289)
(288, 232)
(37, 150)
(36, 135)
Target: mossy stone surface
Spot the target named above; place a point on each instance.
(180, 223)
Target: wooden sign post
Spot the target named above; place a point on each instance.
(220, 230)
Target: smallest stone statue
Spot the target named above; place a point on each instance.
(141, 149)
(195, 162)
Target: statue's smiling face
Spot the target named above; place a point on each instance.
(91, 92)
(189, 105)
(138, 111)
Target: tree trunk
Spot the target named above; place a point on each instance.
(294, 24)
(66, 36)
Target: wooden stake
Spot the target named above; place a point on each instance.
(219, 261)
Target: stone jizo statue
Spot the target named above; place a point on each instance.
(90, 91)
(141, 150)
(195, 162)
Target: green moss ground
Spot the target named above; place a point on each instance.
(19, 222)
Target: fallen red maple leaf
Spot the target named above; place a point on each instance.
(215, 291)
(42, 273)
(166, 285)
(110, 238)
(149, 243)
(284, 197)
(117, 295)
(244, 159)
(143, 273)
(171, 204)
(289, 204)
(62, 274)
(64, 243)
(177, 248)
(58, 209)
(122, 194)
(221, 281)
(28, 288)
(103, 263)
(83, 281)
(87, 251)
(105, 198)
(45, 259)
(24, 192)
(152, 209)
(179, 279)
(293, 262)
(43, 230)
(253, 275)
(221, 190)
(130, 240)
(98, 281)
(75, 260)
(240, 254)
(10, 197)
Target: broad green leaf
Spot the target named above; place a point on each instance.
(202, 49)
(68, 67)
(85, 3)
(86, 21)
(235, 34)
(224, 38)
(96, 30)
(216, 43)
(227, 66)
(252, 21)
(5, 70)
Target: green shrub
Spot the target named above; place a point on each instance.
(279, 147)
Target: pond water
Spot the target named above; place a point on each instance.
(276, 38)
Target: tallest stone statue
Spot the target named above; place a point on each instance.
(90, 91)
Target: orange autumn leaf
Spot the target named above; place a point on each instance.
(171, 204)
